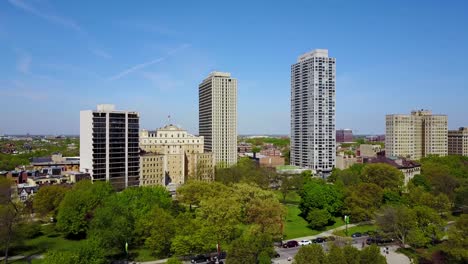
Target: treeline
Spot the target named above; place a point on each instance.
(242, 218)
(39, 149)
(278, 142)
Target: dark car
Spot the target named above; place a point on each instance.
(222, 255)
(320, 240)
(378, 240)
(199, 259)
(290, 244)
(356, 235)
(277, 255)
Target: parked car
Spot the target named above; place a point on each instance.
(378, 240)
(199, 259)
(222, 255)
(357, 234)
(305, 242)
(290, 244)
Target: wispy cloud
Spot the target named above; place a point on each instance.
(101, 53)
(24, 63)
(63, 21)
(146, 64)
(148, 26)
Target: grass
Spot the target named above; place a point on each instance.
(355, 229)
(50, 239)
(142, 255)
(287, 167)
(291, 198)
(296, 226)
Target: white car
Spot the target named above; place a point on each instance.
(305, 242)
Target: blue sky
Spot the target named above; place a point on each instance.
(60, 57)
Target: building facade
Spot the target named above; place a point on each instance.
(417, 135)
(368, 150)
(171, 155)
(458, 141)
(109, 146)
(218, 117)
(344, 135)
(313, 138)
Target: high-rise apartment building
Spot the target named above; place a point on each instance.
(344, 135)
(109, 145)
(218, 117)
(458, 141)
(173, 156)
(417, 135)
(313, 138)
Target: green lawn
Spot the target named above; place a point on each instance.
(296, 226)
(49, 240)
(142, 255)
(292, 197)
(352, 230)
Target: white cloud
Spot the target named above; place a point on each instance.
(63, 21)
(146, 64)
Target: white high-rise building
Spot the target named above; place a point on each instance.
(313, 138)
(218, 117)
(109, 148)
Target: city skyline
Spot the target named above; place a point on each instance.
(59, 58)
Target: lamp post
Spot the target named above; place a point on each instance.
(346, 220)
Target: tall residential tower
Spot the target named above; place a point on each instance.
(109, 146)
(217, 98)
(417, 135)
(313, 138)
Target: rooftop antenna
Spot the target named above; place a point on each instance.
(169, 119)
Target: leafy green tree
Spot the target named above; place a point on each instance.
(158, 228)
(382, 175)
(350, 176)
(250, 248)
(318, 218)
(429, 226)
(336, 256)
(421, 181)
(88, 252)
(352, 255)
(457, 243)
(311, 254)
(371, 255)
(397, 222)
(320, 195)
(195, 191)
(77, 207)
(362, 201)
(48, 198)
(267, 214)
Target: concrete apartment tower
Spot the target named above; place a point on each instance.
(217, 99)
(458, 141)
(313, 138)
(109, 148)
(417, 135)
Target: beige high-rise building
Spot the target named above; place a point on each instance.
(458, 141)
(171, 155)
(417, 135)
(218, 117)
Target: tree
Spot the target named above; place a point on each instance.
(318, 218)
(397, 222)
(77, 207)
(88, 252)
(195, 191)
(48, 198)
(286, 186)
(429, 226)
(11, 216)
(336, 256)
(158, 229)
(267, 214)
(382, 175)
(311, 254)
(362, 201)
(371, 255)
(251, 248)
(458, 241)
(320, 195)
(350, 176)
(352, 255)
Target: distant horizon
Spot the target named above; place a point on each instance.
(391, 57)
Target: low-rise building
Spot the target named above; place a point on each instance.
(344, 161)
(152, 171)
(409, 168)
(458, 141)
(369, 151)
(244, 147)
(344, 135)
(68, 163)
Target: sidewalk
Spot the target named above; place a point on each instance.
(323, 234)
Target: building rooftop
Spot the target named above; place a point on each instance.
(322, 53)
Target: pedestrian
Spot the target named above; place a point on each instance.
(362, 246)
